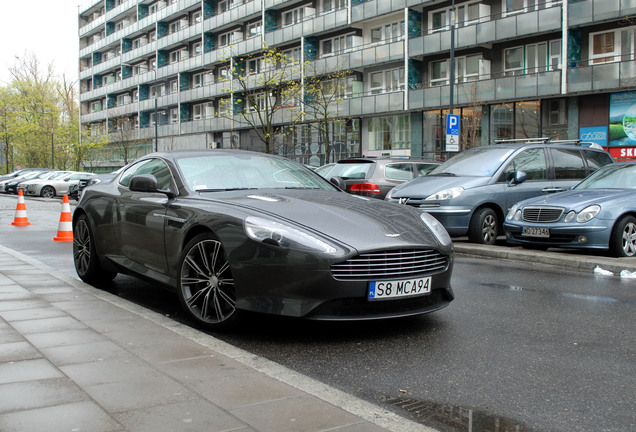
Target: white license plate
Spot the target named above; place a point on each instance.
(399, 288)
(535, 232)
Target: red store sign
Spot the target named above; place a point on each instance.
(623, 153)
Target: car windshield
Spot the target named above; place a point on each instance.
(220, 172)
(616, 176)
(478, 162)
(348, 170)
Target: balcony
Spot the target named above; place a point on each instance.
(314, 25)
(239, 13)
(594, 11)
(372, 9)
(530, 23)
(618, 76)
(504, 88)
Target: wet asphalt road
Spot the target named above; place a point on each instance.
(522, 346)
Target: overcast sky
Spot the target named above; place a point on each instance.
(46, 28)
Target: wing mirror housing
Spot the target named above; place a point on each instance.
(144, 183)
(339, 182)
(520, 177)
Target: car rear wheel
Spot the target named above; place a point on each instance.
(47, 192)
(623, 239)
(85, 256)
(484, 227)
(206, 286)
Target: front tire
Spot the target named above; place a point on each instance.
(205, 283)
(85, 255)
(623, 239)
(47, 192)
(484, 227)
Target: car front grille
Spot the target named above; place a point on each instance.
(402, 263)
(542, 214)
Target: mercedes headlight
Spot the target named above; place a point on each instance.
(446, 194)
(277, 234)
(588, 213)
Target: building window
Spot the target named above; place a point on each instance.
(467, 68)
(196, 49)
(226, 39)
(293, 54)
(224, 6)
(174, 86)
(201, 79)
(387, 81)
(465, 14)
(254, 29)
(297, 15)
(387, 32)
(332, 5)
(390, 132)
(255, 65)
(532, 58)
(174, 115)
(510, 7)
(612, 46)
(337, 45)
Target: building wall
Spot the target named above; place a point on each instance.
(394, 50)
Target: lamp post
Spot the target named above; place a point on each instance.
(452, 56)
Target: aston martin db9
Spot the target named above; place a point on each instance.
(234, 231)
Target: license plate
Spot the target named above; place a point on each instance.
(399, 288)
(535, 232)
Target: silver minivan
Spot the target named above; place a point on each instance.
(471, 193)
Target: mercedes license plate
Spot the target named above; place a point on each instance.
(535, 232)
(380, 290)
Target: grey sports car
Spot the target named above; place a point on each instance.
(236, 230)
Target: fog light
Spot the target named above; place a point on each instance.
(581, 239)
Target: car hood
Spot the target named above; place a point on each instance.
(424, 186)
(356, 221)
(581, 198)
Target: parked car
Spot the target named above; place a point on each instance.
(11, 186)
(75, 190)
(598, 213)
(323, 170)
(19, 173)
(26, 175)
(472, 192)
(49, 188)
(375, 177)
(233, 230)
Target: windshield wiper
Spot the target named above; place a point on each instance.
(447, 174)
(226, 189)
(300, 187)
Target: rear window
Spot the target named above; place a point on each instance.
(398, 171)
(597, 159)
(353, 171)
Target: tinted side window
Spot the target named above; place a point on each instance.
(596, 159)
(155, 167)
(398, 171)
(531, 161)
(424, 168)
(568, 164)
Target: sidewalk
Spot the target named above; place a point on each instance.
(74, 358)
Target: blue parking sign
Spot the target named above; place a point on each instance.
(452, 133)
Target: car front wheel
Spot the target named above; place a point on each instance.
(206, 286)
(484, 227)
(623, 239)
(85, 256)
(47, 192)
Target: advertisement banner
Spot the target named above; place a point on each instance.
(622, 121)
(595, 134)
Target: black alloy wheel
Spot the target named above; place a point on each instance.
(484, 227)
(85, 256)
(206, 286)
(623, 238)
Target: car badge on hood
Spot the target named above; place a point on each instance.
(404, 200)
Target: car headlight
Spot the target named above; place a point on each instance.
(277, 234)
(436, 227)
(588, 213)
(512, 211)
(446, 194)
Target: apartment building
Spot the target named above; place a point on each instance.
(154, 72)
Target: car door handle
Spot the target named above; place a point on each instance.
(553, 190)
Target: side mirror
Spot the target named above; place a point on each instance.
(144, 183)
(339, 182)
(520, 177)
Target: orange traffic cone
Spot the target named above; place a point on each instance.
(20, 212)
(65, 228)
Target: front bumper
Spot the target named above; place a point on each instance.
(562, 235)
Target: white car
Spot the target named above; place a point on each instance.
(57, 185)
